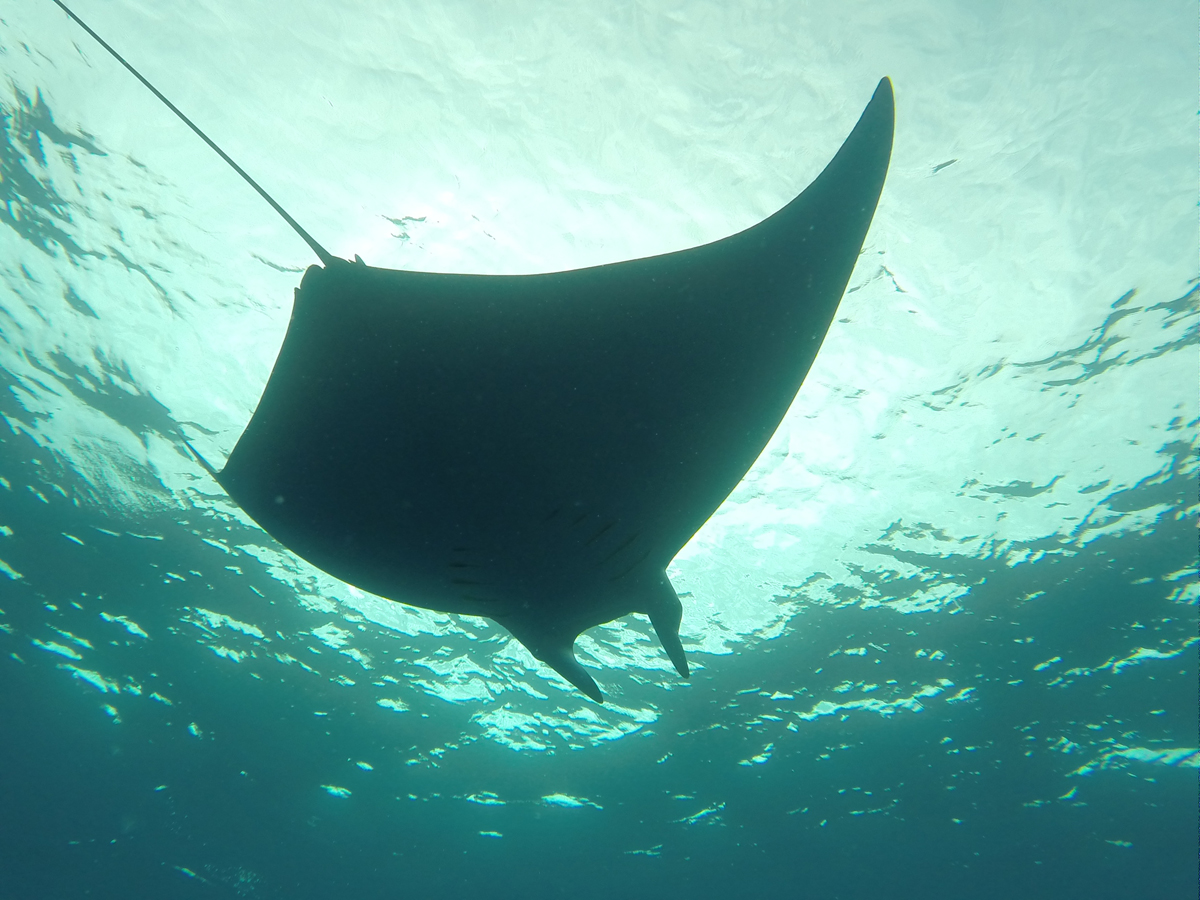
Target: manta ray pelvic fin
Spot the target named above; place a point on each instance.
(556, 648)
(666, 612)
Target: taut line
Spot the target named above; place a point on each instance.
(323, 254)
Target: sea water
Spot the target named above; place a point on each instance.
(943, 635)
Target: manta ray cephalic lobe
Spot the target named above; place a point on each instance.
(536, 449)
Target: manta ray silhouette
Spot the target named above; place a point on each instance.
(536, 449)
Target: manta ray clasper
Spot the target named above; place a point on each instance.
(536, 449)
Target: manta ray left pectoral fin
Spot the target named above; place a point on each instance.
(666, 612)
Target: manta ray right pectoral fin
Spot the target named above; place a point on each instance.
(666, 612)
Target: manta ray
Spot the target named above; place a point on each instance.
(536, 449)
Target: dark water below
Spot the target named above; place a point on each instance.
(972, 798)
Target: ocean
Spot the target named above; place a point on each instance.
(943, 635)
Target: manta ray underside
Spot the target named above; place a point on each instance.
(536, 449)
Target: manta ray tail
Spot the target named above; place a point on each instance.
(665, 612)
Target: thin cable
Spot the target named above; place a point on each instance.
(322, 254)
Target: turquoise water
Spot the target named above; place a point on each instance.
(942, 636)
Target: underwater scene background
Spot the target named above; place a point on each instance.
(943, 635)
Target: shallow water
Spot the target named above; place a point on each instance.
(942, 636)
